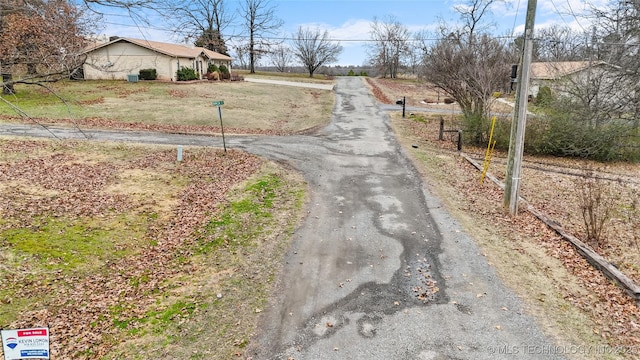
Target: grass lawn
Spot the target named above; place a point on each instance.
(248, 107)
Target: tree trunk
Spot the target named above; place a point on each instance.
(7, 84)
(252, 55)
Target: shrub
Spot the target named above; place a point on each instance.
(148, 74)
(544, 97)
(224, 72)
(363, 73)
(186, 74)
(351, 73)
(475, 129)
(236, 77)
(212, 75)
(566, 132)
(497, 94)
(212, 68)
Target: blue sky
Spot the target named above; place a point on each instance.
(349, 20)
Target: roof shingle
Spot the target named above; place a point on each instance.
(174, 50)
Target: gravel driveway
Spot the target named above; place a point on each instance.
(379, 270)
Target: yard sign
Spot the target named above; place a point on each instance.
(25, 344)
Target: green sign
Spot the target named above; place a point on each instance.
(218, 103)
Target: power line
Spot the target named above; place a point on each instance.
(560, 13)
(575, 16)
(288, 38)
(515, 18)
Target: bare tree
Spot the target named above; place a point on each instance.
(558, 43)
(314, 49)
(204, 21)
(473, 13)
(124, 4)
(281, 57)
(470, 66)
(469, 72)
(418, 49)
(389, 46)
(616, 40)
(242, 55)
(259, 20)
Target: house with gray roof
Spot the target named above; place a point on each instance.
(120, 57)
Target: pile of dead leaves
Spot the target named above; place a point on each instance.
(102, 123)
(378, 93)
(43, 180)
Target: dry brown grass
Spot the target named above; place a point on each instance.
(248, 107)
(424, 95)
(551, 185)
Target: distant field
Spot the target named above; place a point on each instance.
(248, 107)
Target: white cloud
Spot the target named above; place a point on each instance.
(351, 30)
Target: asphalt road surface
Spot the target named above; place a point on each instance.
(378, 269)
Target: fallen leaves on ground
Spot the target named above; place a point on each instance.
(95, 122)
(615, 313)
(79, 307)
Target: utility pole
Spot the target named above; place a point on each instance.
(519, 122)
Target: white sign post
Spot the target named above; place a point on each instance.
(25, 344)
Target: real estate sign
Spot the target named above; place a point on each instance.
(25, 344)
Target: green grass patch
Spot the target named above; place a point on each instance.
(50, 247)
(57, 244)
(243, 219)
(155, 320)
(162, 318)
(418, 118)
(237, 252)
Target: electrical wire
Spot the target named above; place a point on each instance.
(560, 13)
(515, 18)
(575, 16)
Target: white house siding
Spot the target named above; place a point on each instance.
(120, 59)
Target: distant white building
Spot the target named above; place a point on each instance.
(120, 57)
(558, 75)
